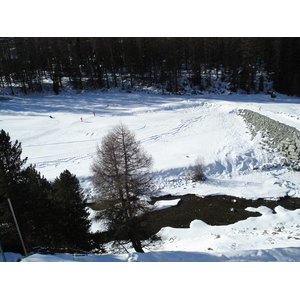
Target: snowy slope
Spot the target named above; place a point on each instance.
(175, 130)
(268, 255)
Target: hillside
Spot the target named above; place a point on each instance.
(61, 132)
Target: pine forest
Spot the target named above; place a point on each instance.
(171, 65)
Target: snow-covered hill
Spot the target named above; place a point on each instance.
(62, 132)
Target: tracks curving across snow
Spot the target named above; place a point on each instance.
(184, 125)
(173, 129)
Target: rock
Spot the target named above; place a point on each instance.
(296, 167)
(292, 148)
(277, 135)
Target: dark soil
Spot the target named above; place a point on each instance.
(213, 210)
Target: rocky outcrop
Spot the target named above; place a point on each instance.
(281, 136)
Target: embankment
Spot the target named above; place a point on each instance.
(281, 136)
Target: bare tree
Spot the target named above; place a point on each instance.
(121, 173)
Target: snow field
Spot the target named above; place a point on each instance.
(175, 130)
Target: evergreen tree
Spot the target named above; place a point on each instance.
(11, 166)
(49, 215)
(70, 218)
(35, 213)
(127, 62)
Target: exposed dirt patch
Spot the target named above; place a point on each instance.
(213, 210)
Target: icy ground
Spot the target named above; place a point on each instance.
(175, 130)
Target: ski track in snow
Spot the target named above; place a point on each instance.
(72, 159)
(184, 125)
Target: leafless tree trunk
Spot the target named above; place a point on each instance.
(121, 173)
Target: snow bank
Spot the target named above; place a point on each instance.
(163, 204)
(290, 254)
(270, 230)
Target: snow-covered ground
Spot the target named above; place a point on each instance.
(175, 130)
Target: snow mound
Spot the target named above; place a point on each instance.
(163, 204)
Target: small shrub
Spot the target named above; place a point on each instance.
(196, 171)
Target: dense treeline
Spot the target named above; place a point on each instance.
(49, 214)
(97, 63)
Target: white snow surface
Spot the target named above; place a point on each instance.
(162, 204)
(175, 130)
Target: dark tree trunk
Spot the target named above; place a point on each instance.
(137, 245)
